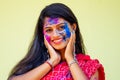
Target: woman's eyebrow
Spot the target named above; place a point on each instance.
(48, 26)
(61, 23)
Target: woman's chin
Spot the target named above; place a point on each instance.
(59, 48)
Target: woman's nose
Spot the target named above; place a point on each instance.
(56, 33)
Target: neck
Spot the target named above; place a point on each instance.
(62, 53)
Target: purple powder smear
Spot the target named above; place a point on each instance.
(53, 20)
(47, 38)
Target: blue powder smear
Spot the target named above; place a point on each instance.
(67, 30)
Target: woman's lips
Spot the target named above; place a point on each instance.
(57, 41)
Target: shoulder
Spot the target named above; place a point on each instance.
(90, 66)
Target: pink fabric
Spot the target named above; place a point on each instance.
(89, 67)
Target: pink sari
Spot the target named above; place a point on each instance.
(89, 67)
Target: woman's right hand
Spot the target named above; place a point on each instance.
(54, 55)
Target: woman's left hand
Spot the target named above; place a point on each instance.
(69, 52)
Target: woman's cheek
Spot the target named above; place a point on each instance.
(63, 33)
(67, 31)
(47, 38)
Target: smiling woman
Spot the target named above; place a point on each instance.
(57, 51)
(57, 31)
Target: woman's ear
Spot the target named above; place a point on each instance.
(74, 26)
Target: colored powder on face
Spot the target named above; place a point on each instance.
(67, 30)
(53, 20)
(47, 38)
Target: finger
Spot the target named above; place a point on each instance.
(71, 45)
(72, 38)
(49, 47)
(45, 42)
(73, 42)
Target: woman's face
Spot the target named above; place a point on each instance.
(57, 32)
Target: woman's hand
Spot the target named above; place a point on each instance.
(75, 69)
(54, 55)
(69, 52)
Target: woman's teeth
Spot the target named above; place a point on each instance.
(57, 41)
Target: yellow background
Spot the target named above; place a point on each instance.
(99, 23)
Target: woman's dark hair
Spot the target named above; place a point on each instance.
(37, 53)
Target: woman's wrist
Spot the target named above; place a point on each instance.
(53, 62)
(69, 58)
(72, 62)
(49, 63)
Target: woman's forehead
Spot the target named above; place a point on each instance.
(52, 21)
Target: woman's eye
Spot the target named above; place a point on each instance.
(61, 28)
(48, 30)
